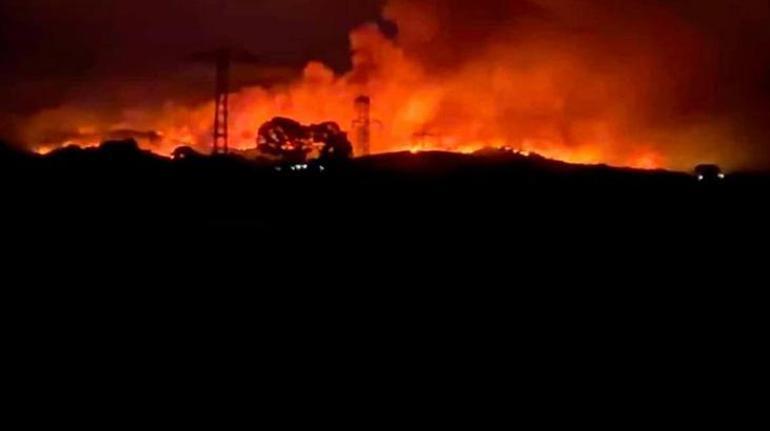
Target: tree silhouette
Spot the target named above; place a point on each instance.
(292, 142)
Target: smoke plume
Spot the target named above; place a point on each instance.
(633, 83)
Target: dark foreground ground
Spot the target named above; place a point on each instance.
(404, 209)
(465, 289)
(121, 188)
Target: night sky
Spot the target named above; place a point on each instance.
(53, 50)
(122, 51)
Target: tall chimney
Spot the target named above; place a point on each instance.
(363, 125)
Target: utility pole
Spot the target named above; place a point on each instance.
(221, 143)
(223, 59)
(362, 125)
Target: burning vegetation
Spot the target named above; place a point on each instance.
(570, 82)
(294, 143)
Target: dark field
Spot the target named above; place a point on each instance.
(496, 192)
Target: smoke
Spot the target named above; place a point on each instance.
(632, 82)
(643, 83)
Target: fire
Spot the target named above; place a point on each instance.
(546, 94)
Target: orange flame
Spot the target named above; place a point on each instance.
(538, 98)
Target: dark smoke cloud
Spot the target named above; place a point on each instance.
(104, 53)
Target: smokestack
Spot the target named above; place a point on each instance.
(363, 125)
(222, 114)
